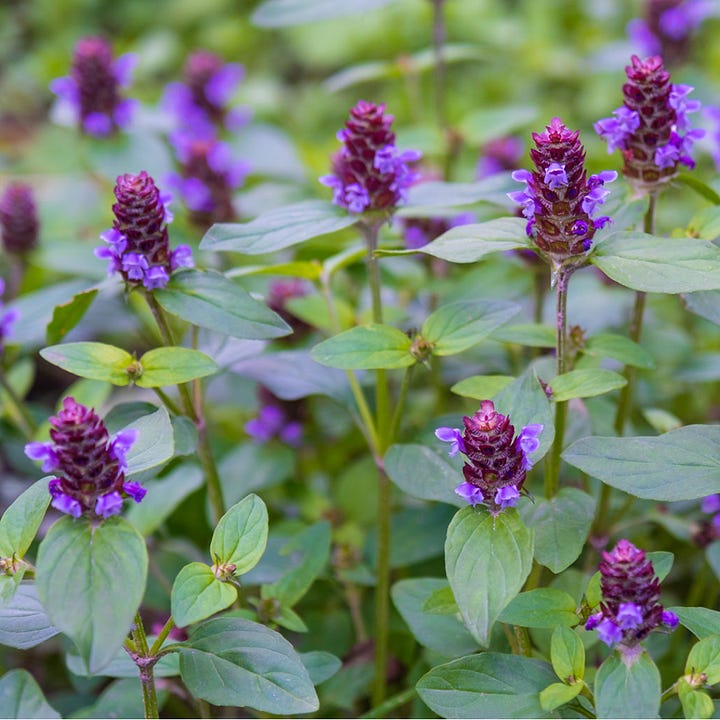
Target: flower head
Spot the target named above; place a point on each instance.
(89, 465)
(652, 129)
(138, 245)
(497, 460)
(18, 219)
(369, 172)
(91, 93)
(559, 200)
(630, 609)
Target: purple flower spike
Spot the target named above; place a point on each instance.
(19, 224)
(629, 616)
(452, 436)
(472, 493)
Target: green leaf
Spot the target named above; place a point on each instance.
(705, 304)
(528, 334)
(695, 703)
(558, 694)
(210, 300)
(567, 654)
(286, 13)
(91, 581)
(155, 444)
(67, 315)
(704, 658)
(700, 621)
(488, 685)
(662, 562)
(489, 123)
(366, 347)
(321, 666)
(585, 383)
(627, 691)
(470, 243)
(680, 465)
(487, 560)
(163, 497)
(561, 527)
(20, 522)
(444, 634)
(657, 264)
(619, 348)
(701, 189)
(21, 697)
(236, 662)
(197, 594)
(313, 310)
(460, 325)
(173, 365)
(481, 387)
(241, 535)
(540, 608)
(23, 620)
(426, 197)
(93, 360)
(279, 228)
(120, 699)
(422, 473)
(441, 602)
(123, 666)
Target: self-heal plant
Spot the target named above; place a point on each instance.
(497, 460)
(19, 224)
(138, 244)
(88, 463)
(91, 94)
(7, 317)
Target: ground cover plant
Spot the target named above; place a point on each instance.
(360, 359)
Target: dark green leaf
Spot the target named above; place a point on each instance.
(481, 387)
(460, 325)
(488, 685)
(197, 594)
(487, 560)
(91, 581)
(123, 666)
(366, 347)
(528, 334)
(701, 622)
(21, 697)
(561, 527)
(627, 691)
(657, 264)
(20, 522)
(284, 13)
(120, 699)
(567, 654)
(705, 658)
(210, 300)
(680, 465)
(542, 607)
(321, 666)
(619, 348)
(241, 535)
(279, 228)
(67, 315)
(558, 694)
(23, 620)
(155, 444)
(236, 662)
(93, 360)
(585, 383)
(470, 243)
(173, 365)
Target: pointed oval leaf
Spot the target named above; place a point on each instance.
(241, 535)
(20, 522)
(197, 594)
(682, 464)
(487, 560)
(173, 365)
(279, 228)
(488, 685)
(155, 444)
(367, 347)
(704, 658)
(93, 360)
(232, 661)
(700, 621)
(481, 387)
(627, 691)
(542, 607)
(23, 620)
(658, 264)
(558, 694)
(470, 243)
(460, 325)
(210, 300)
(21, 697)
(619, 348)
(567, 654)
(528, 334)
(67, 315)
(585, 383)
(91, 581)
(321, 666)
(695, 703)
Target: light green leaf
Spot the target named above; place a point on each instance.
(241, 535)
(173, 365)
(683, 464)
(585, 383)
(91, 580)
(528, 334)
(627, 691)
(21, 697)
(705, 304)
(155, 444)
(695, 703)
(441, 602)
(567, 654)
(490, 123)
(481, 387)
(487, 560)
(67, 315)
(662, 562)
(197, 594)
(619, 348)
(704, 658)
(540, 608)
(366, 347)
(458, 326)
(286, 13)
(558, 694)
(701, 622)
(93, 360)
(20, 522)
(236, 662)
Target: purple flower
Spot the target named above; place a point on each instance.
(91, 94)
(711, 504)
(472, 493)
(19, 223)
(7, 317)
(507, 497)
(89, 464)
(454, 437)
(275, 420)
(499, 155)
(369, 172)
(609, 632)
(629, 616)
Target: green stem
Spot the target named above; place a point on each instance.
(400, 404)
(168, 402)
(672, 690)
(390, 704)
(160, 639)
(552, 473)
(25, 422)
(439, 33)
(145, 662)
